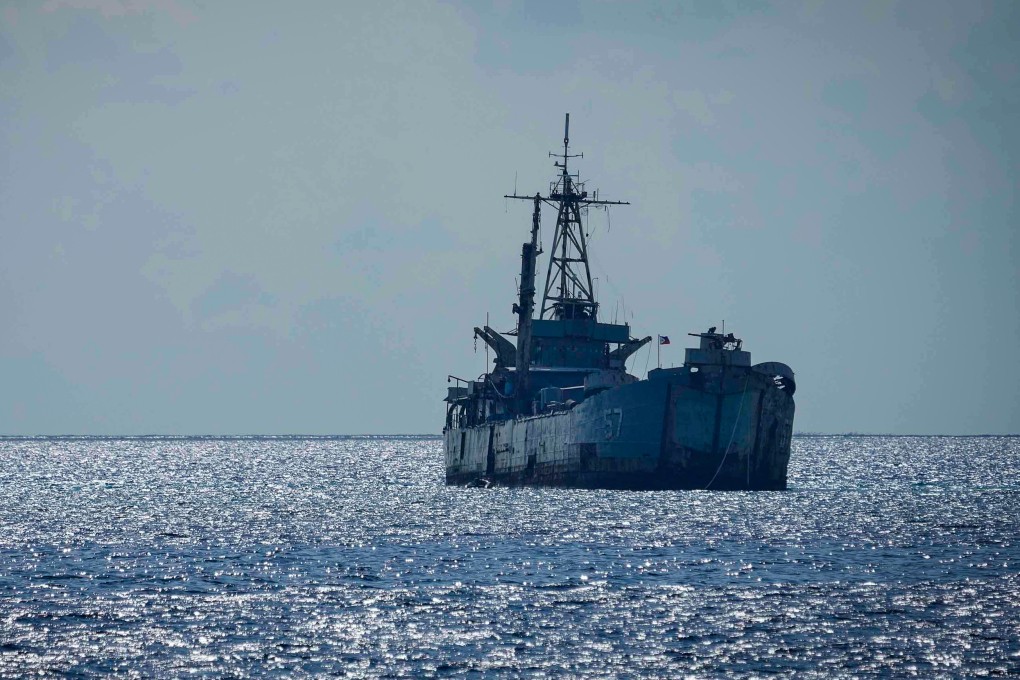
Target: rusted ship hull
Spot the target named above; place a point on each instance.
(678, 429)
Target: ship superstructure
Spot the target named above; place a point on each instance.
(559, 408)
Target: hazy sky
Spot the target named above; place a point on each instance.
(264, 217)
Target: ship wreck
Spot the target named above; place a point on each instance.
(558, 407)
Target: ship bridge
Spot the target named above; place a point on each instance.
(575, 343)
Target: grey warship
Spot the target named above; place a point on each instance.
(558, 407)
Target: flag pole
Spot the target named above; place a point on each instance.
(658, 350)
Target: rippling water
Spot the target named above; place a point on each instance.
(246, 557)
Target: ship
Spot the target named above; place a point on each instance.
(558, 407)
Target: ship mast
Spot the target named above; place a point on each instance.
(525, 309)
(568, 292)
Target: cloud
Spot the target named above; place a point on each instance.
(122, 8)
(694, 104)
(11, 16)
(297, 210)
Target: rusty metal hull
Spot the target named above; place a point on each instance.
(724, 429)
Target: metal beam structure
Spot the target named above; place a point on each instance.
(568, 291)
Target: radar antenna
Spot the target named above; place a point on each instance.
(568, 290)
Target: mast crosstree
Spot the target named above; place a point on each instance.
(568, 292)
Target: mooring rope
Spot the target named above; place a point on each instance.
(732, 433)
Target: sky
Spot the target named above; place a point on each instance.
(280, 218)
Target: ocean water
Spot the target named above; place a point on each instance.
(293, 557)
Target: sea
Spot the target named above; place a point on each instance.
(348, 556)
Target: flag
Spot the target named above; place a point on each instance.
(663, 339)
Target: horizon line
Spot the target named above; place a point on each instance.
(423, 435)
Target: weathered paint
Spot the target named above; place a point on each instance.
(727, 429)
